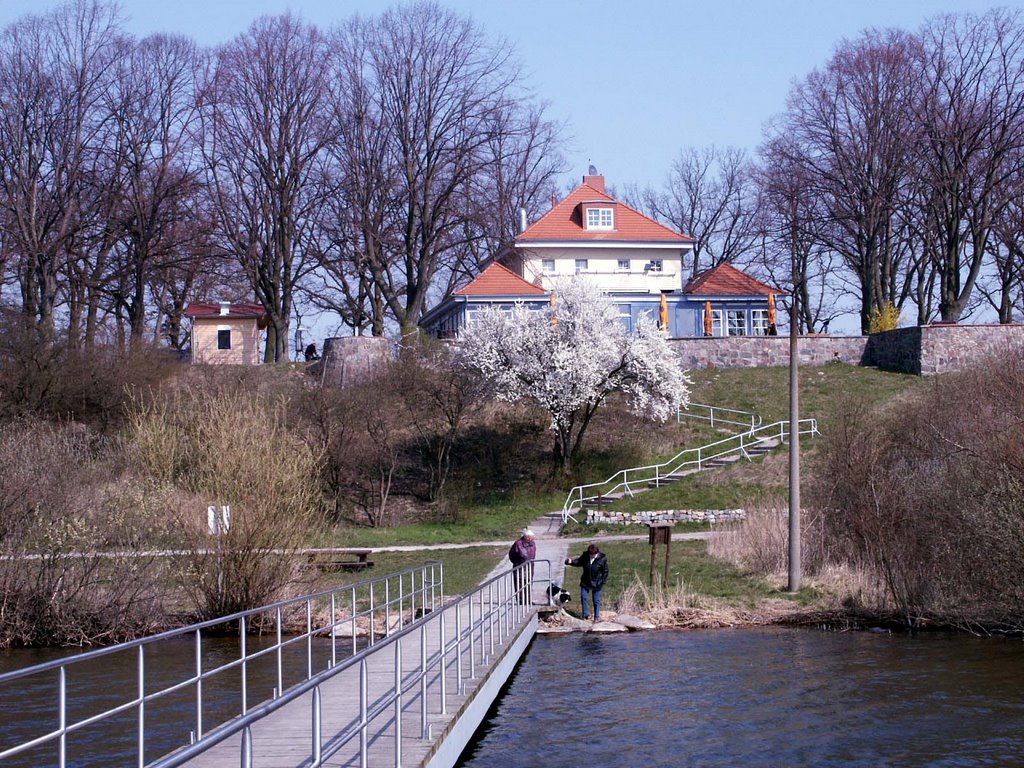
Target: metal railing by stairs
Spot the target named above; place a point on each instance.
(628, 482)
(718, 416)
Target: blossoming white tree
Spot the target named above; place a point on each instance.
(568, 357)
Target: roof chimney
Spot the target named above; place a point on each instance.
(522, 220)
(225, 307)
(554, 198)
(593, 179)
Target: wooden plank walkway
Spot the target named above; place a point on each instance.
(284, 738)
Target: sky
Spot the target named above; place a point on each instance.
(633, 82)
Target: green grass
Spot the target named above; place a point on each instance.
(463, 568)
(690, 564)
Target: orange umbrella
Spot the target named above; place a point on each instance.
(554, 317)
(771, 309)
(708, 322)
(663, 314)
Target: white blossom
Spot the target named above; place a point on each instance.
(569, 356)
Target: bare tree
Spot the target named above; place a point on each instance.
(437, 81)
(793, 253)
(848, 126)
(710, 196)
(154, 107)
(971, 114)
(264, 137)
(52, 70)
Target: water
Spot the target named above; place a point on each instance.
(759, 697)
(28, 705)
(745, 697)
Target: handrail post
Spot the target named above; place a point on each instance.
(458, 648)
(244, 655)
(142, 706)
(246, 756)
(353, 593)
(444, 658)
(334, 628)
(398, 704)
(387, 607)
(280, 663)
(309, 639)
(62, 717)
(423, 681)
(363, 721)
(317, 756)
(371, 610)
(199, 684)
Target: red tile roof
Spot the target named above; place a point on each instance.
(726, 280)
(235, 310)
(565, 222)
(497, 280)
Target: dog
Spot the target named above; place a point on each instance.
(558, 595)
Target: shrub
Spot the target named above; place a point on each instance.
(233, 449)
(929, 496)
(54, 519)
(885, 319)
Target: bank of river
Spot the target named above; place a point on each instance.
(760, 697)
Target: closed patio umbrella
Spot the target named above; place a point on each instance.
(708, 322)
(554, 317)
(663, 314)
(771, 309)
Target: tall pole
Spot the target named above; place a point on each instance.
(794, 445)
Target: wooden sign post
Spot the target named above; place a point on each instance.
(659, 533)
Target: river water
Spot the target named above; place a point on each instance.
(759, 697)
(743, 697)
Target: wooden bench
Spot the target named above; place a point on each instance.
(327, 560)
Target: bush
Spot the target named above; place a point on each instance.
(885, 319)
(54, 519)
(57, 382)
(234, 449)
(929, 497)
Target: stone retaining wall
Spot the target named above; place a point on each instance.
(921, 350)
(597, 517)
(940, 348)
(759, 351)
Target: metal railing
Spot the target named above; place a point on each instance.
(373, 609)
(685, 459)
(470, 628)
(717, 415)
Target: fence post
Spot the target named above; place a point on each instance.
(142, 706)
(398, 703)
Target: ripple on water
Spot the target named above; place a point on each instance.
(759, 697)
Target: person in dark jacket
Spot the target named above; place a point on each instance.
(595, 574)
(523, 550)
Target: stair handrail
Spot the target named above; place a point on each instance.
(713, 414)
(738, 443)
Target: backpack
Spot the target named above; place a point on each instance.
(513, 554)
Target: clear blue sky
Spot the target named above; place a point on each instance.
(634, 81)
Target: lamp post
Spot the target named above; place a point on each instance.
(794, 443)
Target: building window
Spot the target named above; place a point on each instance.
(716, 322)
(581, 265)
(548, 266)
(623, 265)
(759, 322)
(600, 218)
(737, 320)
(655, 265)
(224, 339)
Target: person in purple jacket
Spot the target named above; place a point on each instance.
(523, 550)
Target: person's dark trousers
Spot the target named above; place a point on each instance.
(585, 595)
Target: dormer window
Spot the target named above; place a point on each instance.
(600, 218)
